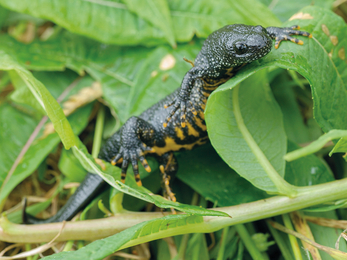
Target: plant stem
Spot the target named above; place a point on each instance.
(248, 242)
(292, 239)
(222, 244)
(286, 253)
(100, 228)
(183, 247)
(282, 186)
(98, 131)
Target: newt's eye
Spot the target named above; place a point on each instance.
(240, 48)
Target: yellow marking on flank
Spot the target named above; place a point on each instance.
(199, 123)
(171, 145)
(139, 183)
(179, 133)
(206, 94)
(161, 168)
(165, 125)
(202, 106)
(300, 42)
(192, 131)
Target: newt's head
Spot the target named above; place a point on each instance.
(237, 44)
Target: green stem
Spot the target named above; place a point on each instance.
(285, 252)
(98, 131)
(100, 228)
(292, 239)
(282, 186)
(183, 247)
(249, 243)
(222, 244)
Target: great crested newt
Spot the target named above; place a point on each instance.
(177, 122)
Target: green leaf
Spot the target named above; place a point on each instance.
(285, 9)
(3, 15)
(112, 22)
(328, 101)
(106, 21)
(204, 171)
(263, 119)
(203, 17)
(155, 12)
(141, 233)
(71, 167)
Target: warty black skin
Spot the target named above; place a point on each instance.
(177, 122)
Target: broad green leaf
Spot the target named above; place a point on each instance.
(141, 232)
(294, 125)
(204, 16)
(155, 12)
(263, 119)
(328, 101)
(106, 21)
(3, 15)
(112, 22)
(285, 9)
(204, 171)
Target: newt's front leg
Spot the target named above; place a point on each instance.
(134, 137)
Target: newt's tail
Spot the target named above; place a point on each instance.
(85, 193)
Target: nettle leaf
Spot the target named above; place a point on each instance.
(205, 16)
(112, 22)
(326, 74)
(132, 78)
(137, 234)
(285, 9)
(106, 21)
